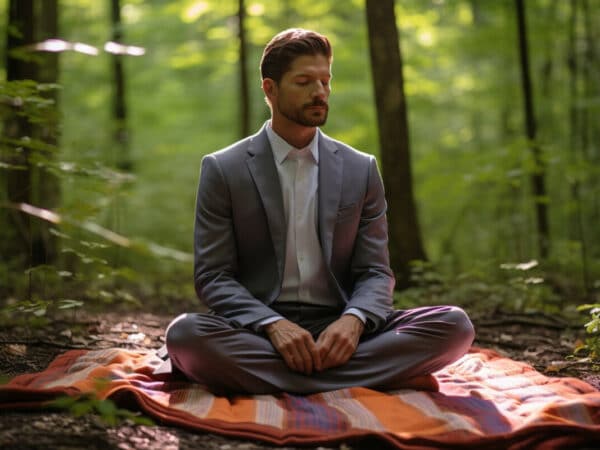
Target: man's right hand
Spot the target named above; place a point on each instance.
(295, 345)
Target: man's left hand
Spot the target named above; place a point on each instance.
(338, 342)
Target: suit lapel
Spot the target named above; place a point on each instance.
(330, 189)
(264, 173)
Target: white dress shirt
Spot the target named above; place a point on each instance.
(305, 273)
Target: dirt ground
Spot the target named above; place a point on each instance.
(544, 342)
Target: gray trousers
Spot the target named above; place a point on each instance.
(210, 350)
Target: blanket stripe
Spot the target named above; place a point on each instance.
(484, 400)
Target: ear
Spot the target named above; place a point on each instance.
(269, 87)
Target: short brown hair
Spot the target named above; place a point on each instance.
(286, 46)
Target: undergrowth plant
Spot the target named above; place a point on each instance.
(105, 409)
(94, 265)
(514, 287)
(592, 328)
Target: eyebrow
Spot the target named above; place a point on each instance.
(304, 74)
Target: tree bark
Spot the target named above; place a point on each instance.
(16, 239)
(538, 176)
(244, 88)
(121, 132)
(386, 65)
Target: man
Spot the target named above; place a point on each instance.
(291, 256)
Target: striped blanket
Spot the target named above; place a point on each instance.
(484, 401)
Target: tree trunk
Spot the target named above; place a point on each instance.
(577, 146)
(538, 176)
(244, 89)
(16, 237)
(386, 65)
(28, 242)
(47, 192)
(121, 133)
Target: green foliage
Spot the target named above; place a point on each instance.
(90, 272)
(516, 287)
(592, 328)
(28, 97)
(106, 409)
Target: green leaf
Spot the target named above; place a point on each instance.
(68, 304)
(106, 408)
(63, 402)
(39, 312)
(82, 407)
(586, 306)
(7, 166)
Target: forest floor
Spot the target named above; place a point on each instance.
(546, 342)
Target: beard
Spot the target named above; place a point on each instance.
(304, 115)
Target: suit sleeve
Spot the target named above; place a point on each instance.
(215, 252)
(373, 278)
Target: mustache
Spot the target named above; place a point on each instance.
(317, 103)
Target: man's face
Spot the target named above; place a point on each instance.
(302, 93)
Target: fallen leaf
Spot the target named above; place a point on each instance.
(79, 340)
(16, 349)
(66, 333)
(136, 338)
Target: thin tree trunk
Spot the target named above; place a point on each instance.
(243, 69)
(47, 192)
(576, 153)
(574, 118)
(538, 176)
(121, 132)
(386, 65)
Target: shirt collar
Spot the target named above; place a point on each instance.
(281, 148)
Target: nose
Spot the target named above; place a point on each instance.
(321, 89)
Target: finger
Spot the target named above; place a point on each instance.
(317, 360)
(296, 359)
(289, 361)
(312, 352)
(288, 353)
(306, 359)
(338, 354)
(324, 343)
(324, 354)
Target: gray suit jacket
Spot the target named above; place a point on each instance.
(240, 231)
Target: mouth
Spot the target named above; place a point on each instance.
(317, 107)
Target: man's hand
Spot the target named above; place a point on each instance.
(338, 342)
(295, 345)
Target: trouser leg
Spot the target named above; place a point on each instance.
(209, 350)
(414, 342)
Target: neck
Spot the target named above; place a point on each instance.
(294, 134)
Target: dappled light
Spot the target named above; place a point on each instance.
(58, 45)
(120, 49)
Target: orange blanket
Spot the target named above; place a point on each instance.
(485, 401)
